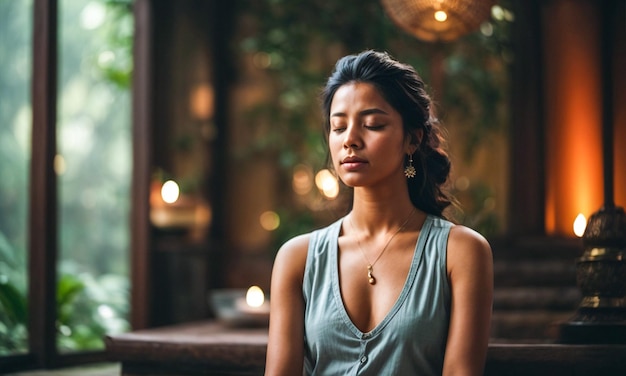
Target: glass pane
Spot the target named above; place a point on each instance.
(94, 171)
(15, 132)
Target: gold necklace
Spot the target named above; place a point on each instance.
(370, 265)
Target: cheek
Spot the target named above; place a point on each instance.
(391, 155)
(334, 147)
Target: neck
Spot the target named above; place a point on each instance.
(375, 212)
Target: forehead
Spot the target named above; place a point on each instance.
(358, 94)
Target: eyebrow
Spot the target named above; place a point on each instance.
(369, 111)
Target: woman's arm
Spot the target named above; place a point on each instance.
(470, 269)
(285, 350)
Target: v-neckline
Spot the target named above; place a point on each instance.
(408, 282)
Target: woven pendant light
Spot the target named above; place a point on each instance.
(438, 20)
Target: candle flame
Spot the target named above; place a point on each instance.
(441, 16)
(255, 296)
(580, 223)
(170, 191)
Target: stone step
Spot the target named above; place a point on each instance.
(534, 273)
(535, 326)
(536, 298)
(535, 288)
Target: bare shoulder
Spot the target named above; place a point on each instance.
(295, 247)
(467, 247)
(286, 335)
(462, 236)
(291, 257)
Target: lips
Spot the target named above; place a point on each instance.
(353, 163)
(353, 159)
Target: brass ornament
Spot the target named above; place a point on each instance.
(409, 170)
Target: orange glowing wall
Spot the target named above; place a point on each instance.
(573, 110)
(620, 108)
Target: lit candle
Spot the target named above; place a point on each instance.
(170, 192)
(254, 302)
(580, 223)
(255, 296)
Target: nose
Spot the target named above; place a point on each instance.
(352, 137)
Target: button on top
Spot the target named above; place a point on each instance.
(363, 359)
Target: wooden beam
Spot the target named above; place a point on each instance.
(142, 141)
(43, 247)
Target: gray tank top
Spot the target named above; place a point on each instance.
(410, 340)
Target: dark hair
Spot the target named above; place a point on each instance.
(403, 89)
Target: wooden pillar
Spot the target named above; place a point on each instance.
(142, 131)
(43, 187)
(526, 198)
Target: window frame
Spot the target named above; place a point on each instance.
(43, 199)
(43, 245)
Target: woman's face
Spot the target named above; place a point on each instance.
(366, 138)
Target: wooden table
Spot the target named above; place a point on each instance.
(199, 348)
(211, 348)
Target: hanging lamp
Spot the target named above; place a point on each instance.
(438, 20)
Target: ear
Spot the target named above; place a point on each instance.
(414, 140)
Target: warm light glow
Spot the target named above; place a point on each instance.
(441, 16)
(170, 192)
(201, 102)
(255, 296)
(262, 60)
(573, 158)
(438, 20)
(497, 12)
(580, 223)
(327, 184)
(269, 220)
(502, 14)
(302, 179)
(486, 28)
(59, 164)
(462, 183)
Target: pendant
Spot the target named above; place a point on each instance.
(370, 277)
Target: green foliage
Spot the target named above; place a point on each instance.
(68, 289)
(13, 318)
(85, 314)
(118, 33)
(14, 304)
(88, 309)
(76, 327)
(7, 256)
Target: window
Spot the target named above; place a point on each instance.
(64, 249)
(15, 132)
(93, 167)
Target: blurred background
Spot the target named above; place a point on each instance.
(154, 151)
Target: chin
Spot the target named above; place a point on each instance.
(352, 182)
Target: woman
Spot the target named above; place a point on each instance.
(392, 288)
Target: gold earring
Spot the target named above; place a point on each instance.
(409, 171)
